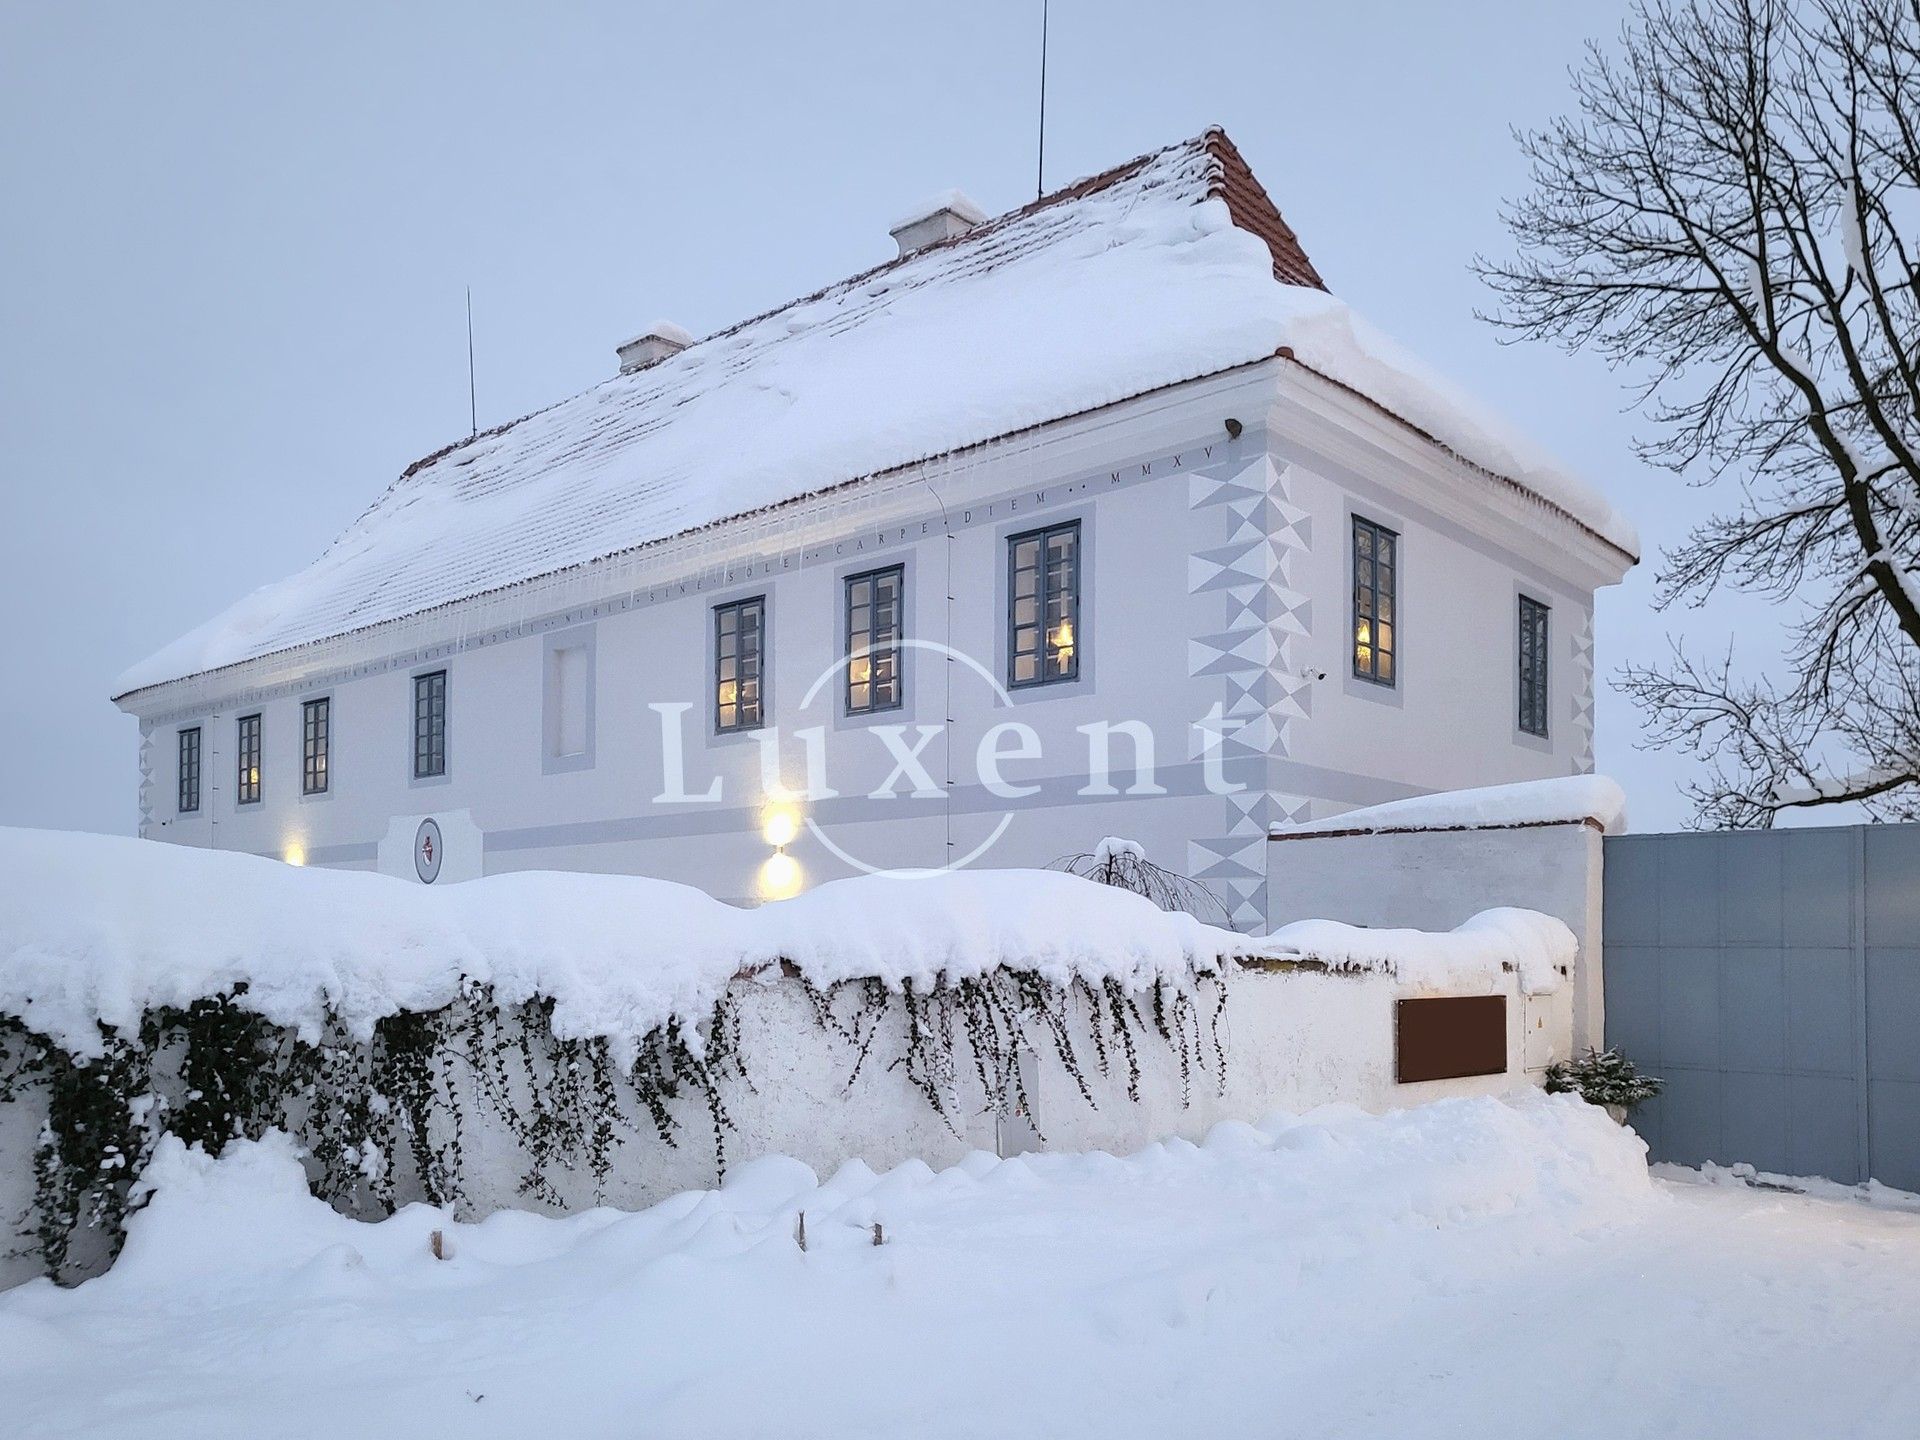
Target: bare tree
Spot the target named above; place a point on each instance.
(1732, 213)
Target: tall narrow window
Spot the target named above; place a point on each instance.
(739, 664)
(874, 627)
(1532, 653)
(1043, 605)
(247, 752)
(569, 670)
(316, 744)
(189, 792)
(430, 725)
(1375, 602)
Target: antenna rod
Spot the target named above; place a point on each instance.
(1040, 170)
(473, 405)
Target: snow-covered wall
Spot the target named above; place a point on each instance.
(97, 932)
(1433, 879)
(1293, 1038)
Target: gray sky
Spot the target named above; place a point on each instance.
(233, 241)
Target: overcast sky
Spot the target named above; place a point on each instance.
(234, 241)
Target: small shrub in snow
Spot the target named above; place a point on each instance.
(1603, 1077)
(1123, 864)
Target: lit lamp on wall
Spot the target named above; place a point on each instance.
(780, 876)
(296, 853)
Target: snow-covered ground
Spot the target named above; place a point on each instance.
(1475, 1267)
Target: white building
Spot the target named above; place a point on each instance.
(1112, 473)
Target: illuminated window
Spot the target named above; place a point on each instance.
(189, 789)
(739, 664)
(1533, 666)
(316, 744)
(874, 627)
(1043, 605)
(1375, 601)
(430, 725)
(247, 751)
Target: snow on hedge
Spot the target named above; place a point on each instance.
(1568, 799)
(101, 928)
(1539, 948)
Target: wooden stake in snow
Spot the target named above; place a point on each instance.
(800, 1235)
(879, 1236)
(439, 1246)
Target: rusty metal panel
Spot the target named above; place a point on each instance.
(1448, 1037)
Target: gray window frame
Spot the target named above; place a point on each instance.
(1533, 640)
(429, 744)
(893, 649)
(756, 605)
(249, 743)
(186, 759)
(1366, 597)
(1042, 537)
(316, 745)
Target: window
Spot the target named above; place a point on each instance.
(569, 668)
(739, 664)
(189, 789)
(1375, 559)
(874, 627)
(430, 725)
(247, 749)
(1043, 609)
(316, 725)
(1532, 654)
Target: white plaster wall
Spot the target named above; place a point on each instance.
(1216, 575)
(1434, 879)
(1293, 1040)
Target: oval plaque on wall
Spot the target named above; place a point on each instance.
(427, 852)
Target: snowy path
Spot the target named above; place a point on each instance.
(1474, 1268)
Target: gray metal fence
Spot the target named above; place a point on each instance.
(1772, 978)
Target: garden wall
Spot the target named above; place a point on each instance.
(1291, 1036)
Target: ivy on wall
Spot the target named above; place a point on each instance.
(390, 1116)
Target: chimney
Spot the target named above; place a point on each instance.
(942, 217)
(652, 345)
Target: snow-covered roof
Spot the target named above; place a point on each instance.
(1171, 267)
(1572, 799)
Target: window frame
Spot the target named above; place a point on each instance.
(316, 745)
(737, 609)
(895, 647)
(1533, 689)
(249, 740)
(1042, 536)
(1364, 598)
(426, 742)
(187, 769)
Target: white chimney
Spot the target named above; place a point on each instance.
(942, 217)
(652, 345)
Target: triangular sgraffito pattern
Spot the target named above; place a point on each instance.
(1253, 536)
(146, 779)
(1583, 693)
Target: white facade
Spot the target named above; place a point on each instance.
(1216, 581)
